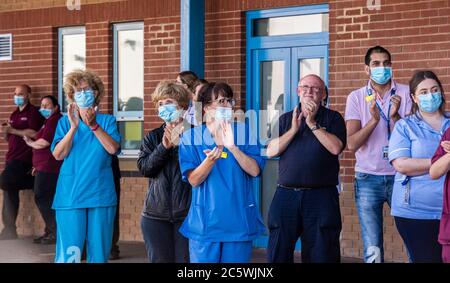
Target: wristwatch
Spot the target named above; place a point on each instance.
(316, 127)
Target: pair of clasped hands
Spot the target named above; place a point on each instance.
(223, 137)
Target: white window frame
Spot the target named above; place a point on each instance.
(123, 116)
(61, 32)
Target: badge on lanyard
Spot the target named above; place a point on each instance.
(224, 155)
(385, 152)
(369, 98)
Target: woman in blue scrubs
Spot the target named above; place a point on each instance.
(417, 199)
(85, 200)
(220, 159)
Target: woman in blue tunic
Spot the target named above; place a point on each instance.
(85, 200)
(220, 159)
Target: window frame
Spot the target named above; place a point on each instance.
(124, 116)
(61, 32)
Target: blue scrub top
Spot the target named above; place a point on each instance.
(414, 138)
(223, 207)
(85, 179)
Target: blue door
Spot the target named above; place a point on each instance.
(274, 65)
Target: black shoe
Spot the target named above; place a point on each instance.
(114, 253)
(49, 239)
(8, 234)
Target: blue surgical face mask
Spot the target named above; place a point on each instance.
(84, 98)
(430, 102)
(223, 114)
(381, 75)
(169, 113)
(45, 112)
(19, 100)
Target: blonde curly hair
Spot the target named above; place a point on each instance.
(73, 79)
(170, 89)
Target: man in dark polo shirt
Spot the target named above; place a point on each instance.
(306, 202)
(24, 121)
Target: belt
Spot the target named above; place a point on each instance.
(295, 188)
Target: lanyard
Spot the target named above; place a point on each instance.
(385, 118)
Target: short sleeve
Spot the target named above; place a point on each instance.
(48, 132)
(284, 124)
(36, 120)
(400, 142)
(187, 154)
(111, 128)
(440, 151)
(252, 148)
(338, 128)
(61, 130)
(352, 111)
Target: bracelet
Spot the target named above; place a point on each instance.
(316, 127)
(95, 128)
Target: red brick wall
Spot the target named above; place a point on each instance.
(416, 32)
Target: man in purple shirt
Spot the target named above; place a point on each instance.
(24, 121)
(370, 115)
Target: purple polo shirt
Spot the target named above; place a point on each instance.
(369, 157)
(43, 160)
(28, 118)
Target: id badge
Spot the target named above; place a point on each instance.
(385, 152)
(224, 154)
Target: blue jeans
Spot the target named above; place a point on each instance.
(371, 192)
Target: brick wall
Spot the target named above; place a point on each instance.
(416, 32)
(15, 5)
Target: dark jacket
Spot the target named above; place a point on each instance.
(168, 197)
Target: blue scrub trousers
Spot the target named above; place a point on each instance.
(77, 226)
(220, 252)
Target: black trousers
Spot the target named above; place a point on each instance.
(116, 229)
(44, 192)
(163, 242)
(314, 216)
(15, 177)
(421, 239)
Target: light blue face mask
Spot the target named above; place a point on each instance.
(19, 100)
(430, 102)
(169, 112)
(381, 75)
(223, 114)
(45, 112)
(84, 98)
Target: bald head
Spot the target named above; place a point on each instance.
(311, 88)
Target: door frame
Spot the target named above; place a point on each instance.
(294, 42)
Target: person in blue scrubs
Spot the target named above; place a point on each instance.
(221, 160)
(85, 200)
(417, 199)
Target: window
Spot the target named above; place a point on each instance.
(129, 85)
(71, 56)
(291, 25)
(5, 47)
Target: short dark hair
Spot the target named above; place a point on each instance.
(52, 98)
(376, 49)
(209, 92)
(417, 78)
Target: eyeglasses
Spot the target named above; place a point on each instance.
(306, 88)
(226, 101)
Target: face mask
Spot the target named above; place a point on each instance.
(381, 75)
(84, 98)
(45, 112)
(169, 112)
(19, 100)
(430, 102)
(223, 114)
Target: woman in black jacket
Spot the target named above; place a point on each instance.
(168, 198)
